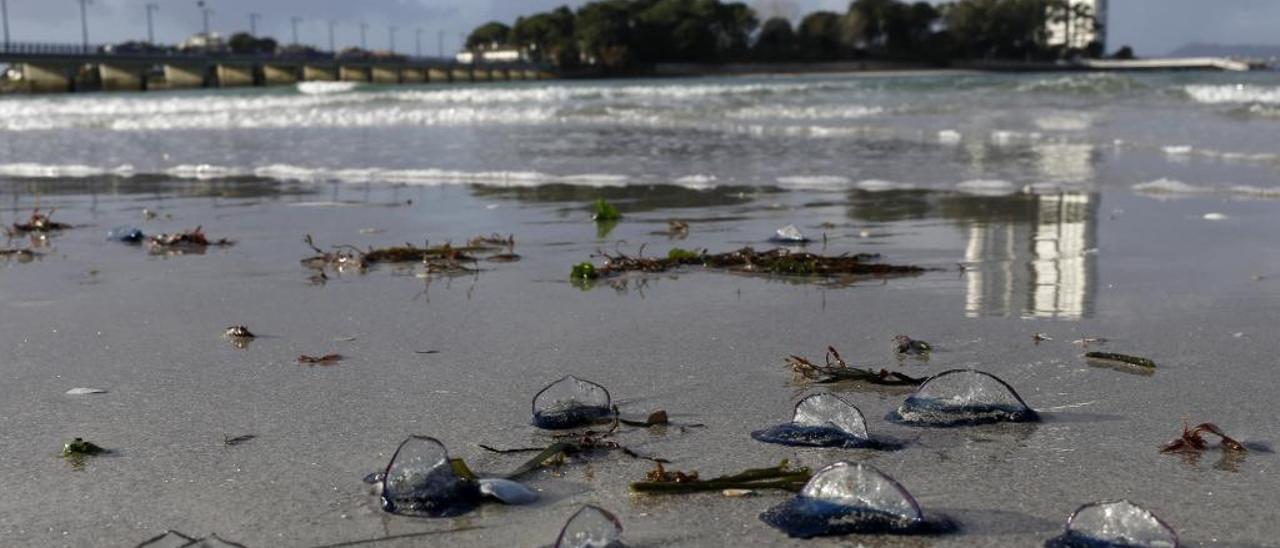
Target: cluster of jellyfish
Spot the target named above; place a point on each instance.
(843, 498)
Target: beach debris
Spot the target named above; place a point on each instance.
(1215, 216)
(126, 234)
(659, 481)
(837, 370)
(81, 447)
(903, 344)
(963, 397)
(604, 211)
(1041, 337)
(1192, 440)
(590, 527)
(327, 359)
(738, 493)
(232, 441)
(1121, 358)
(1086, 341)
(22, 255)
(174, 539)
(846, 498)
(148, 215)
(493, 240)
(85, 391)
(507, 491)
(178, 243)
(789, 234)
(821, 420)
(421, 480)
(676, 229)
(570, 403)
(39, 222)
(684, 256)
(239, 332)
(341, 258)
(780, 261)
(1114, 524)
(583, 271)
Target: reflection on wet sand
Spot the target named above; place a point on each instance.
(1042, 267)
(1030, 255)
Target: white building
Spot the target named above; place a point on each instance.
(1075, 32)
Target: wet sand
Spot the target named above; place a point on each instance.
(708, 347)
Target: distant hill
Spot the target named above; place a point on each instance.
(1251, 51)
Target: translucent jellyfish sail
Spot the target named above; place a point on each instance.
(961, 397)
(420, 481)
(820, 420)
(846, 498)
(569, 403)
(590, 527)
(1115, 524)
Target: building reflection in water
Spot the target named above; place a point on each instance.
(1027, 255)
(1043, 267)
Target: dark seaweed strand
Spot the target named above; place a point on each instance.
(1122, 358)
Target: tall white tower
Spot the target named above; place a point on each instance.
(1076, 32)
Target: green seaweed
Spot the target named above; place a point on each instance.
(605, 211)
(782, 476)
(1121, 358)
(683, 256)
(584, 271)
(80, 447)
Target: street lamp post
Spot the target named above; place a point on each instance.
(440, 45)
(364, 27)
(4, 13)
(151, 30)
(332, 46)
(84, 24)
(294, 22)
(253, 23)
(417, 42)
(205, 12)
(391, 35)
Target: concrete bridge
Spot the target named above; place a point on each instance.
(51, 68)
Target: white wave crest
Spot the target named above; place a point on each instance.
(1238, 93)
(814, 182)
(987, 187)
(1169, 186)
(322, 88)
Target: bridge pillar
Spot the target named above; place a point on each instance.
(279, 75)
(438, 75)
(183, 77)
(385, 75)
(529, 74)
(499, 74)
(515, 74)
(120, 78)
(462, 74)
(545, 75)
(413, 75)
(481, 75)
(45, 78)
(233, 76)
(318, 74)
(353, 74)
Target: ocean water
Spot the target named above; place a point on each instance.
(1137, 208)
(1092, 130)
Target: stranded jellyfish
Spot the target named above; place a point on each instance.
(963, 397)
(846, 498)
(569, 403)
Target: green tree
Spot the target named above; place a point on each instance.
(549, 35)
(819, 36)
(488, 35)
(245, 43)
(777, 41)
(603, 31)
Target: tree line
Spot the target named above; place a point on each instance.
(621, 34)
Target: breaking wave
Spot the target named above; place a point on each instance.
(1234, 94)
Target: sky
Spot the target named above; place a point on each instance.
(1152, 27)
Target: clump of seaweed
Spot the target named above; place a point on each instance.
(780, 261)
(327, 359)
(659, 481)
(605, 211)
(903, 344)
(676, 229)
(21, 255)
(39, 222)
(496, 242)
(1121, 358)
(1192, 440)
(340, 259)
(193, 241)
(571, 445)
(836, 369)
(79, 450)
(584, 271)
